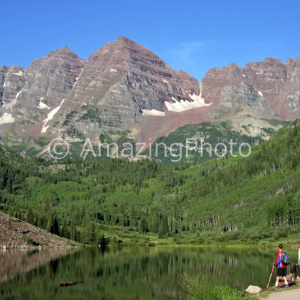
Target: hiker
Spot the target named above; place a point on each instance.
(281, 272)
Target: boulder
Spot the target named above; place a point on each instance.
(252, 289)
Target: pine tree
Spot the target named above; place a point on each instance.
(155, 223)
(143, 226)
(103, 241)
(73, 230)
(85, 230)
(65, 231)
(82, 215)
(47, 206)
(30, 215)
(55, 226)
(133, 216)
(91, 235)
(164, 225)
(160, 233)
(122, 210)
(9, 187)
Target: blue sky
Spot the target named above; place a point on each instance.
(190, 35)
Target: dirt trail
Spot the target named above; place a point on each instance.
(288, 294)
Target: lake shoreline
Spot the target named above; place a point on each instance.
(4, 248)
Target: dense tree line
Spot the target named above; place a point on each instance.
(75, 199)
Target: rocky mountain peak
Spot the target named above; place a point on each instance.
(29, 95)
(273, 60)
(126, 82)
(124, 41)
(61, 54)
(274, 81)
(125, 86)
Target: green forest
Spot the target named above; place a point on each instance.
(231, 200)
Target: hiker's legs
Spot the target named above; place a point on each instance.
(277, 280)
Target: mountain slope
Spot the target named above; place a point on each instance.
(209, 134)
(232, 198)
(24, 235)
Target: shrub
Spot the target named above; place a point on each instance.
(30, 241)
(282, 233)
(275, 236)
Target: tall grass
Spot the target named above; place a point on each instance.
(202, 287)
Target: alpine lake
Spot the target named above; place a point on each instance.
(128, 272)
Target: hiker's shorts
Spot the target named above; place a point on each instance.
(281, 272)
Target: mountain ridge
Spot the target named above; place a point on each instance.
(125, 86)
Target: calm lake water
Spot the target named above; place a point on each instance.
(127, 273)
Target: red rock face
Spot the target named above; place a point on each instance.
(13, 81)
(293, 84)
(123, 79)
(276, 82)
(125, 83)
(29, 95)
(128, 72)
(125, 86)
(53, 76)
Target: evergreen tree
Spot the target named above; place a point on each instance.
(91, 234)
(133, 216)
(103, 241)
(164, 225)
(54, 224)
(9, 187)
(85, 231)
(143, 226)
(47, 206)
(73, 231)
(82, 215)
(122, 210)
(155, 223)
(30, 215)
(65, 231)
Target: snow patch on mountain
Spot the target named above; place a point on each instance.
(153, 112)
(180, 106)
(50, 117)
(20, 73)
(43, 105)
(6, 118)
